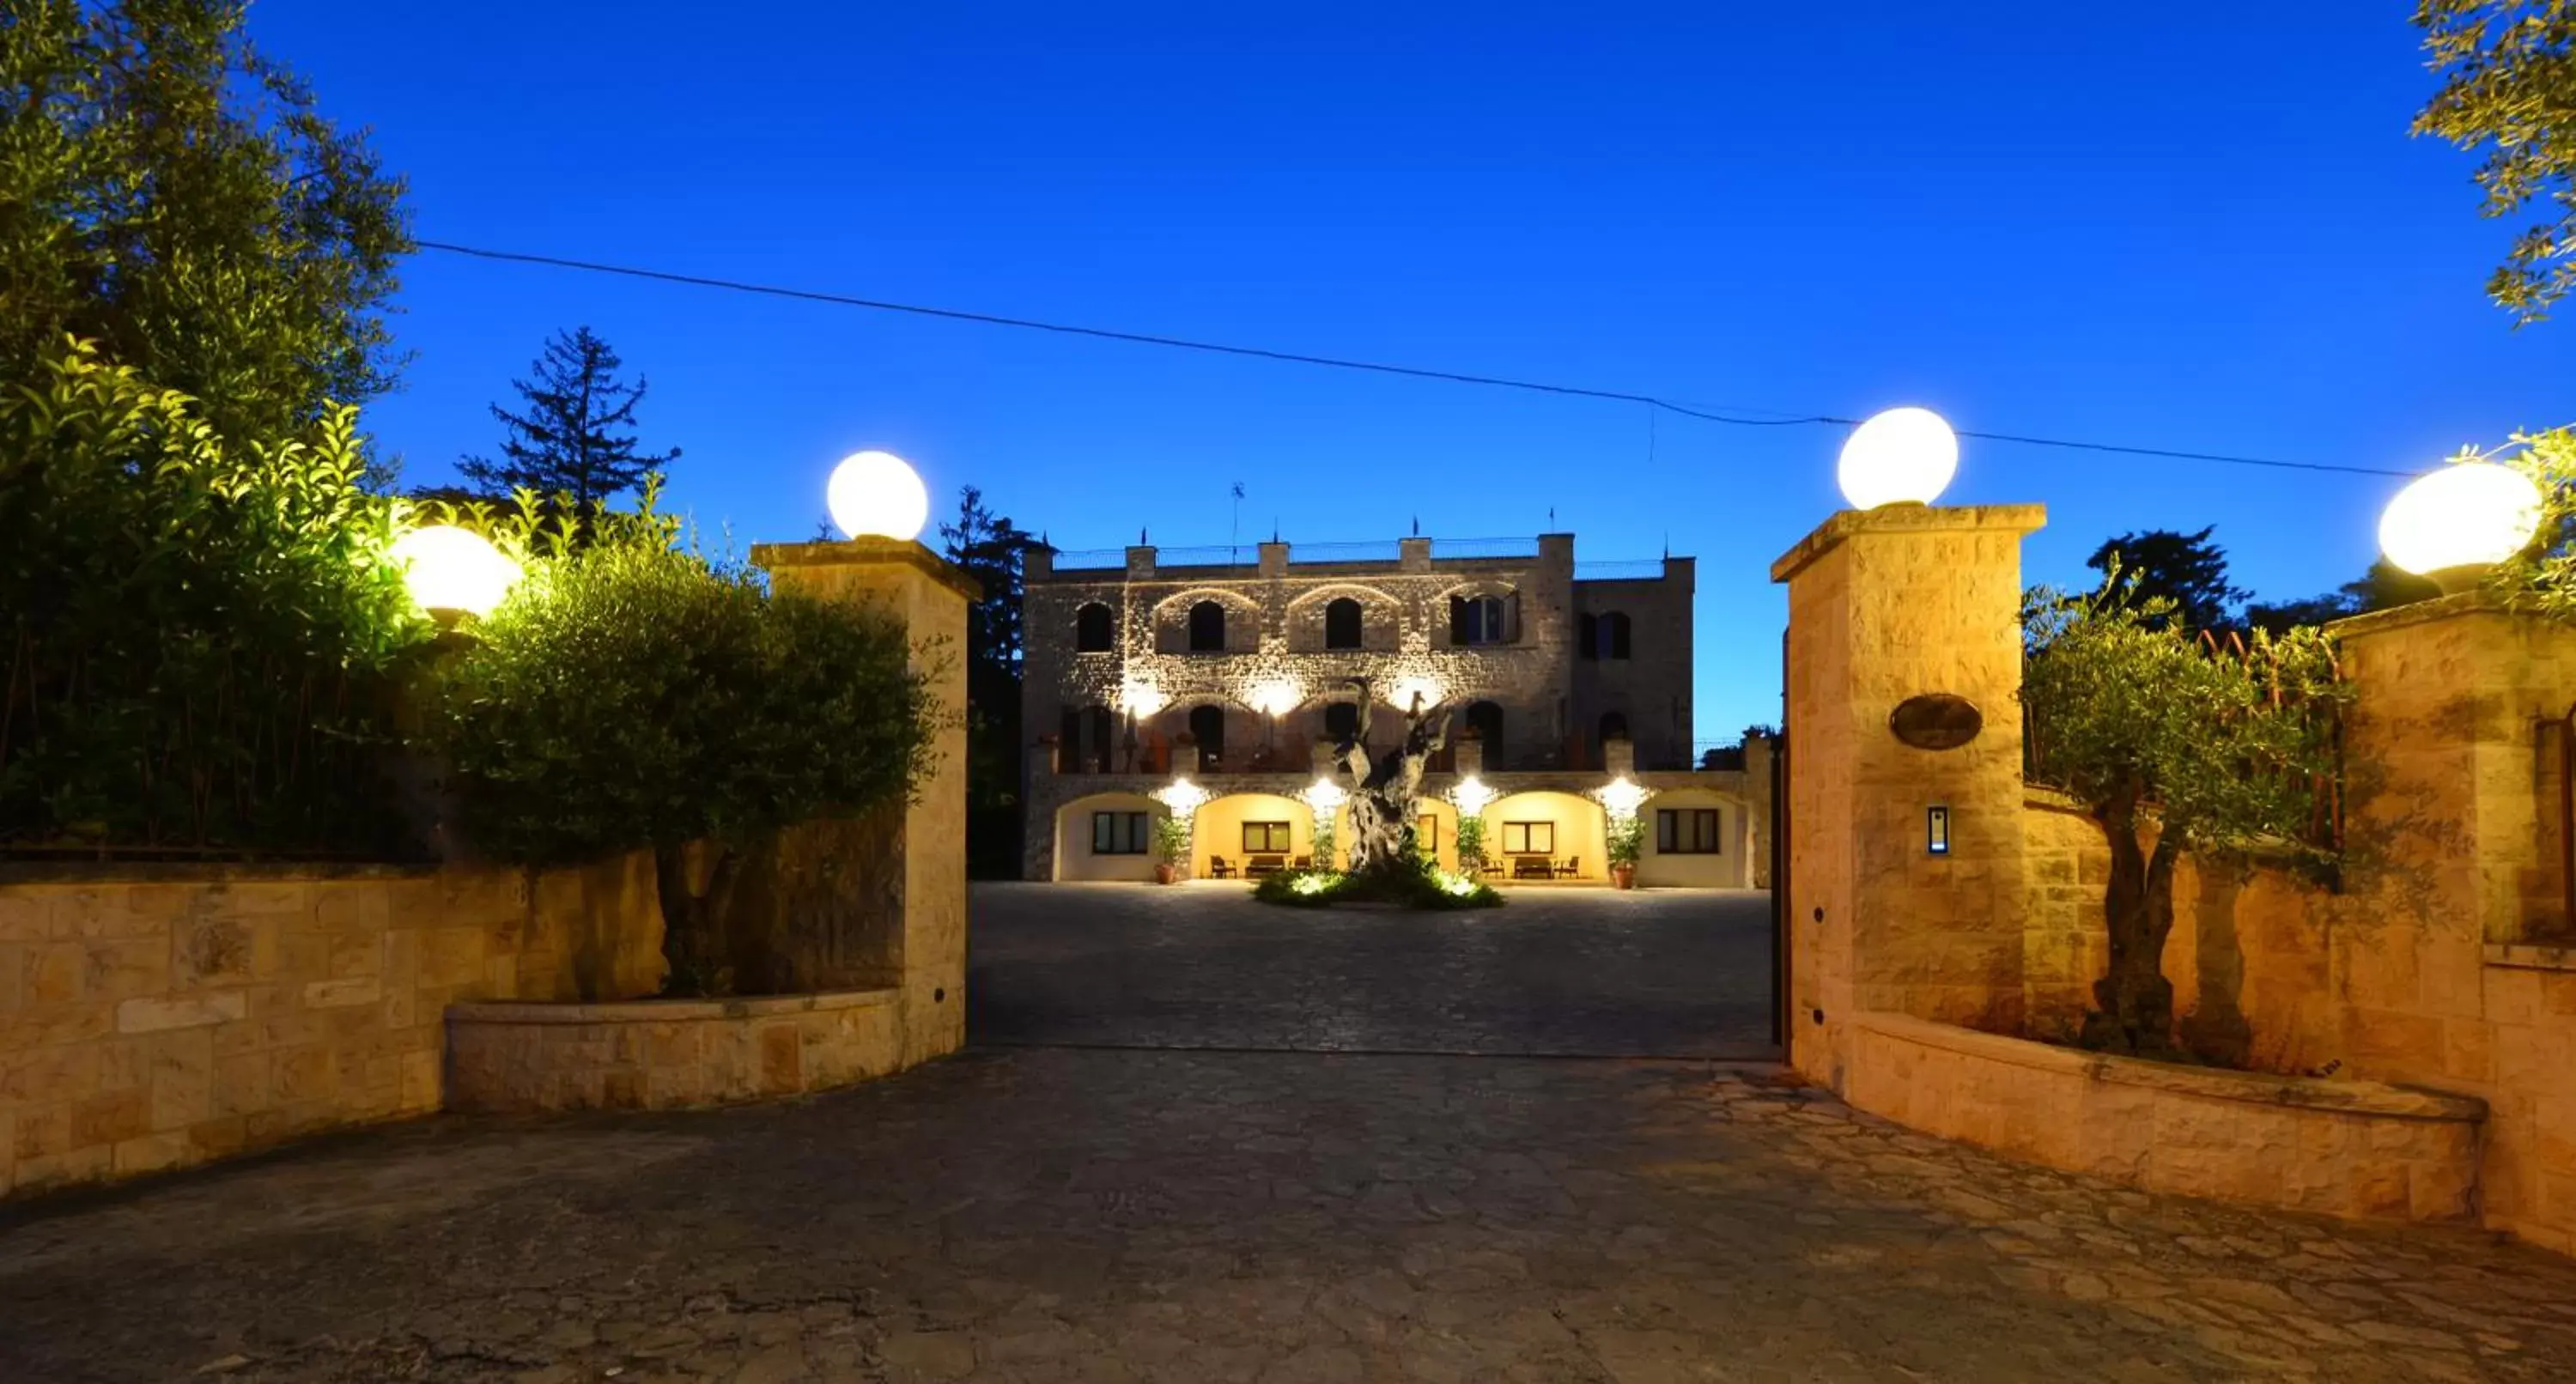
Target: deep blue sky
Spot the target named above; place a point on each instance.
(2197, 225)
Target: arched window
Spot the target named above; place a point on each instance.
(1207, 726)
(1207, 628)
(1341, 720)
(1614, 726)
(1091, 629)
(1478, 620)
(1486, 720)
(1342, 624)
(1614, 635)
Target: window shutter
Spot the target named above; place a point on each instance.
(1512, 618)
(1457, 619)
(1587, 637)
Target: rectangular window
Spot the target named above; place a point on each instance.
(1529, 838)
(1686, 831)
(1121, 833)
(1265, 838)
(1478, 620)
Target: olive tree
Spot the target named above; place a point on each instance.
(2173, 744)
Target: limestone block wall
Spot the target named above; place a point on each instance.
(2438, 964)
(153, 1017)
(1652, 686)
(668, 1054)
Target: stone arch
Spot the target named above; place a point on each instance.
(1218, 830)
(1382, 619)
(1095, 628)
(1171, 620)
(1576, 829)
(1729, 867)
(1476, 613)
(1076, 835)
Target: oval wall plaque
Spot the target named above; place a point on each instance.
(1936, 721)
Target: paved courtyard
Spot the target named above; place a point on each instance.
(1650, 973)
(1041, 1213)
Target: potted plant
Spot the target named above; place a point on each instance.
(1171, 850)
(1471, 845)
(1627, 837)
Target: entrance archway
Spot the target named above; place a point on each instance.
(1240, 828)
(1107, 836)
(1534, 833)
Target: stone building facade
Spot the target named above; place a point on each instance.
(1200, 666)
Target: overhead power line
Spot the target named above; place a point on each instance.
(1785, 419)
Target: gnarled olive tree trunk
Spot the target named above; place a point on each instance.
(1386, 793)
(2133, 1001)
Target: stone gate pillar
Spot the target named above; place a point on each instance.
(1887, 606)
(926, 960)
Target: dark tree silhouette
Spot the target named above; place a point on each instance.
(2184, 568)
(991, 549)
(2383, 587)
(572, 440)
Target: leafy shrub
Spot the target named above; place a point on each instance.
(204, 639)
(1426, 888)
(629, 694)
(1627, 839)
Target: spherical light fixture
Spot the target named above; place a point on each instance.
(1902, 456)
(2455, 523)
(877, 494)
(451, 569)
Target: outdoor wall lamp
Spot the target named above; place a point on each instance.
(877, 493)
(1936, 830)
(1901, 456)
(451, 569)
(2457, 522)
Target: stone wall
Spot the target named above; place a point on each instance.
(153, 1017)
(2437, 964)
(668, 1054)
(2343, 1148)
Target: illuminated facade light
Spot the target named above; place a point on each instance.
(1140, 698)
(2460, 520)
(1902, 456)
(1472, 796)
(877, 494)
(1274, 698)
(1325, 796)
(453, 569)
(1182, 797)
(1622, 797)
(1428, 690)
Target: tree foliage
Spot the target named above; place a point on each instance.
(2172, 746)
(630, 694)
(203, 633)
(571, 441)
(992, 550)
(2508, 92)
(2186, 571)
(172, 195)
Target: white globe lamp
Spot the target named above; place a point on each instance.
(877, 494)
(2457, 522)
(451, 569)
(1902, 456)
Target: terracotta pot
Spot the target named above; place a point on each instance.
(1165, 872)
(1624, 876)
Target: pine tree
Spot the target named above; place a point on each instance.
(568, 443)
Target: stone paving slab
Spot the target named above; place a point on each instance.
(1643, 973)
(1034, 1214)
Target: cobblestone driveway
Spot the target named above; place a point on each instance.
(1038, 1214)
(1651, 973)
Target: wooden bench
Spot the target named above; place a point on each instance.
(1533, 867)
(1260, 865)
